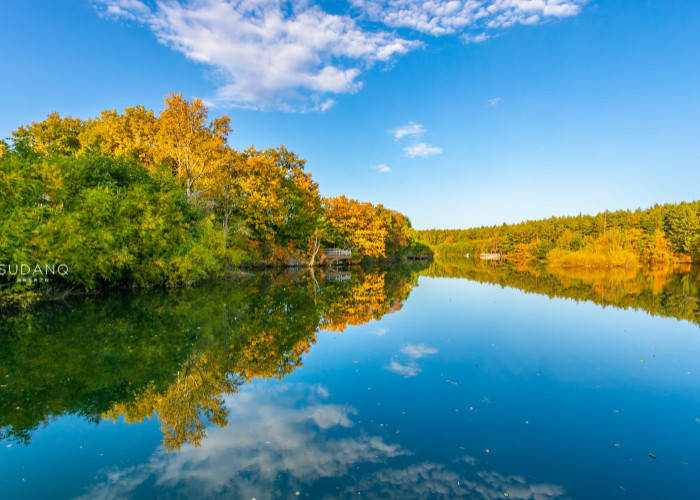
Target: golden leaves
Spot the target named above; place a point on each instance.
(358, 224)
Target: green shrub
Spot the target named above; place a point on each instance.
(108, 219)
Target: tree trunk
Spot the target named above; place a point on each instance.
(315, 249)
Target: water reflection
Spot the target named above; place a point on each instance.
(406, 363)
(472, 391)
(662, 291)
(175, 354)
(282, 441)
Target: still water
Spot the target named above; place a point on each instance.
(451, 380)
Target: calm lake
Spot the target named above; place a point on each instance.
(453, 379)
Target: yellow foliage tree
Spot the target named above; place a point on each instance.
(225, 184)
(356, 224)
(187, 142)
(132, 134)
(54, 135)
(660, 251)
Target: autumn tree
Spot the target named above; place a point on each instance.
(278, 202)
(54, 135)
(356, 224)
(681, 224)
(660, 250)
(225, 185)
(131, 134)
(188, 142)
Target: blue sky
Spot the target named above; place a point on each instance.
(455, 113)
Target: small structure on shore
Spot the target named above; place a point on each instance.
(490, 256)
(336, 254)
(335, 276)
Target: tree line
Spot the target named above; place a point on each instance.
(661, 234)
(668, 291)
(143, 198)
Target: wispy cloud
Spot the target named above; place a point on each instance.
(412, 132)
(304, 442)
(421, 150)
(411, 353)
(494, 101)
(294, 55)
(382, 168)
(292, 440)
(267, 53)
(460, 16)
(416, 351)
(475, 38)
(411, 129)
(407, 370)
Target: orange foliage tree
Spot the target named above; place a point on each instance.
(357, 225)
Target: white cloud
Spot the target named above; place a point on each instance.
(457, 16)
(281, 441)
(494, 101)
(293, 55)
(382, 168)
(327, 104)
(412, 132)
(289, 440)
(133, 10)
(410, 369)
(267, 53)
(416, 351)
(434, 480)
(421, 150)
(322, 391)
(478, 38)
(413, 352)
(411, 129)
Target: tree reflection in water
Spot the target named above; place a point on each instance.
(670, 291)
(175, 354)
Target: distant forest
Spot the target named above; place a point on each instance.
(661, 234)
(668, 291)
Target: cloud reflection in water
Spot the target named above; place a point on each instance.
(281, 441)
